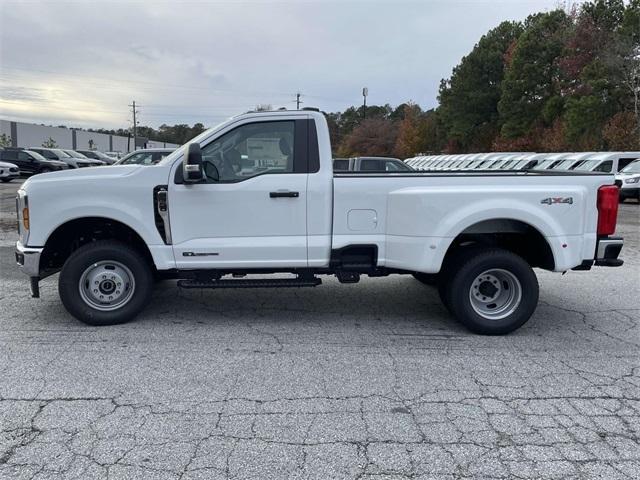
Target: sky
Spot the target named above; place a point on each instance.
(82, 63)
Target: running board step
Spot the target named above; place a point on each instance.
(252, 283)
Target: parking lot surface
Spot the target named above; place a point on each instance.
(367, 381)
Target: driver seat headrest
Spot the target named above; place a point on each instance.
(285, 148)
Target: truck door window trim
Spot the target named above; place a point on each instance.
(304, 148)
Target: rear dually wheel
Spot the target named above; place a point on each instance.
(492, 291)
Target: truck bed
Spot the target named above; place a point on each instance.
(412, 217)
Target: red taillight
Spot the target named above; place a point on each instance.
(607, 209)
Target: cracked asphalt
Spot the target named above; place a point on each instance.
(367, 381)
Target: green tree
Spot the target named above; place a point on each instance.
(532, 76)
(585, 117)
(5, 140)
(50, 143)
(469, 99)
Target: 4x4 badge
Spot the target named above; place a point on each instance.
(554, 200)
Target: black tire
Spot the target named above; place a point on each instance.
(45, 170)
(430, 279)
(468, 269)
(450, 265)
(5, 180)
(105, 251)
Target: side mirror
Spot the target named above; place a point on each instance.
(192, 171)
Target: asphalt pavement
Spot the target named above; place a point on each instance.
(365, 381)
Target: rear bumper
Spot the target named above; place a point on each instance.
(608, 250)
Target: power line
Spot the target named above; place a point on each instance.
(134, 111)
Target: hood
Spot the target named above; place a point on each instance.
(88, 173)
(57, 163)
(7, 165)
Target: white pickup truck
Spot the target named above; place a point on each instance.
(257, 195)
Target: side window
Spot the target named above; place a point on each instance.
(10, 155)
(604, 167)
(24, 156)
(251, 150)
(341, 165)
(392, 166)
(372, 165)
(623, 162)
(144, 158)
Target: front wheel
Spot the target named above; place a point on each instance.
(5, 180)
(493, 291)
(105, 283)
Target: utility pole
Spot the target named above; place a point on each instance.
(135, 123)
(298, 101)
(365, 92)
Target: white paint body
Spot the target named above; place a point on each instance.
(412, 218)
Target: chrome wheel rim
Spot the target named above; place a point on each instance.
(495, 294)
(107, 285)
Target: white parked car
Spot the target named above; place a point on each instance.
(628, 180)
(148, 156)
(258, 195)
(8, 171)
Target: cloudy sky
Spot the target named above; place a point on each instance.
(80, 63)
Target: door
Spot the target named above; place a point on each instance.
(26, 162)
(251, 210)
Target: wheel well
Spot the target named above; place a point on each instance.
(71, 235)
(513, 235)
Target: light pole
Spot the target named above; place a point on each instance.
(365, 92)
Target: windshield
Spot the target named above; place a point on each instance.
(74, 154)
(564, 165)
(633, 167)
(587, 165)
(204, 135)
(36, 155)
(137, 158)
(544, 165)
(60, 153)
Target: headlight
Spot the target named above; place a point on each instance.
(632, 180)
(22, 207)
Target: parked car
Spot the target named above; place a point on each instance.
(628, 180)
(60, 155)
(30, 162)
(479, 235)
(96, 155)
(114, 155)
(79, 155)
(8, 171)
(371, 164)
(609, 162)
(148, 156)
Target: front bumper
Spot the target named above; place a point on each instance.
(629, 192)
(608, 250)
(28, 260)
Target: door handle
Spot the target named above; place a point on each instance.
(284, 194)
